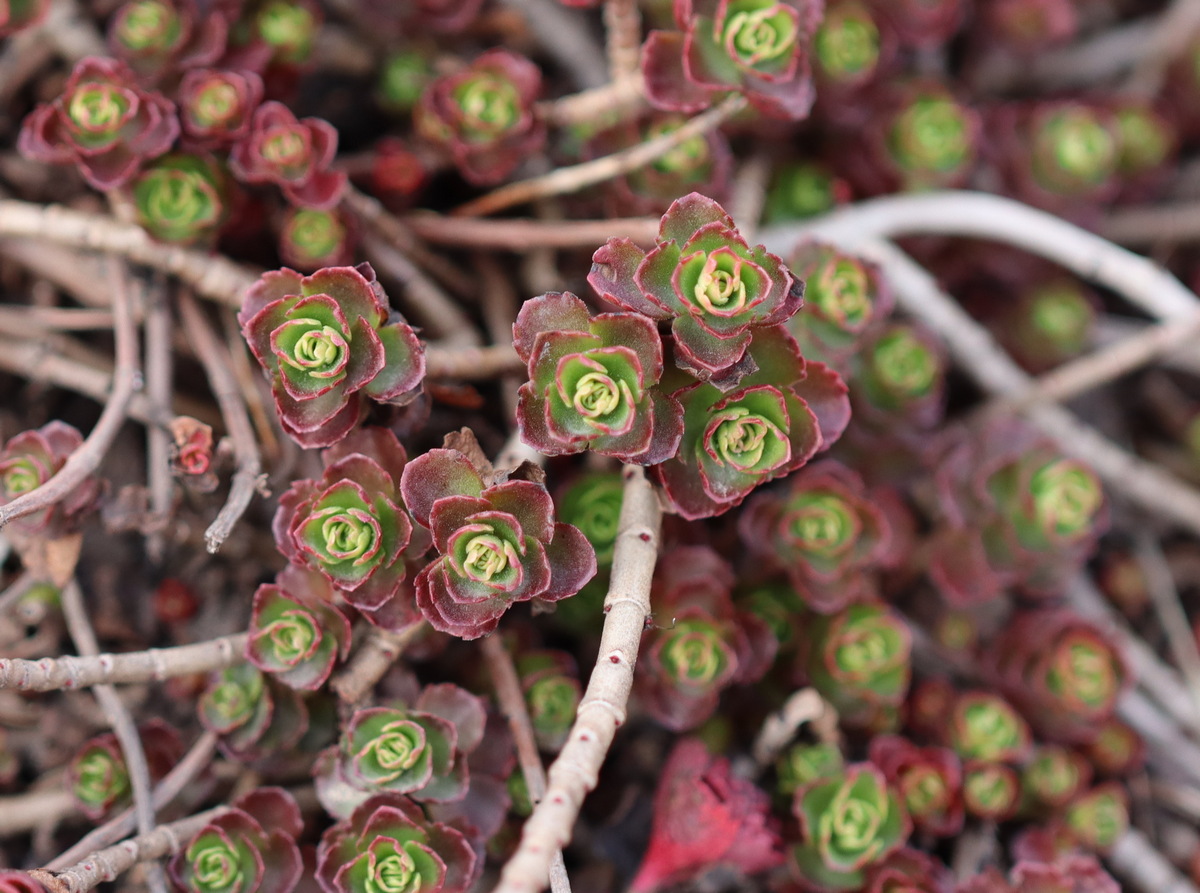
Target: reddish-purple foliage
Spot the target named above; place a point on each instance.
(30, 459)
(216, 106)
(294, 155)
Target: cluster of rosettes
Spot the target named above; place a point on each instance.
(253, 713)
(700, 644)
(1016, 512)
(736, 406)
(31, 458)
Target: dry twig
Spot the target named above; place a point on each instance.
(373, 658)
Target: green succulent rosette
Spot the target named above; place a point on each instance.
(844, 297)
(295, 636)
(847, 46)
(250, 848)
(216, 106)
(1098, 818)
(592, 503)
(984, 726)
(801, 764)
(804, 189)
(824, 531)
(686, 666)
(310, 238)
(848, 822)
(253, 715)
(289, 28)
(929, 780)
(860, 659)
(550, 682)
(181, 199)
(98, 777)
(1075, 149)
(389, 846)
(734, 441)
(593, 382)
(351, 525)
(146, 32)
(991, 791)
(705, 279)
(1054, 775)
(899, 378)
(1148, 138)
(777, 606)
(30, 459)
(931, 138)
(1117, 749)
(403, 77)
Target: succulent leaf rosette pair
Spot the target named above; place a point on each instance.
(328, 342)
(758, 48)
(593, 382)
(848, 822)
(351, 525)
(389, 846)
(704, 279)
(497, 545)
(484, 115)
(419, 750)
(249, 847)
(824, 531)
(103, 123)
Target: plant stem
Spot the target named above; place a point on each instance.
(527, 234)
(154, 665)
(159, 363)
(1144, 868)
(618, 99)
(248, 478)
(602, 711)
(209, 275)
(623, 33)
(1164, 596)
(566, 180)
(512, 704)
(373, 658)
(565, 38)
(109, 864)
(472, 363)
(126, 381)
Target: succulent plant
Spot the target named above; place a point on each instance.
(328, 342)
(295, 635)
(483, 115)
(929, 780)
(1098, 818)
(156, 37)
(776, 419)
(217, 107)
(1054, 775)
(419, 750)
(16, 15)
(848, 822)
(898, 378)
(705, 816)
(593, 382)
(844, 298)
(859, 659)
(294, 155)
(253, 714)
(351, 525)
(1148, 138)
(403, 77)
(310, 239)
(923, 23)
(103, 123)
(181, 199)
(703, 277)
(847, 46)
(804, 189)
(250, 846)
(908, 870)
(1062, 671)
(802, 763)
(824, 531)
(991, 790)
(12, 881)
(287, 27)
(388, 844)
(497, 545)
(1117, 749)
(550, 681)
(592, 502)
(31, 458)
(98, 778)
(985, 727)
(758, 48)
(1028, 26)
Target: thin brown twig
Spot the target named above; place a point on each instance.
(247, 478)
(623, 38)
(499, 303)
(1151, 224)
(126, 381)
(603, 709)
(618, 99)
(119, 717)
(526, 234)
(1144, 868)
(209, 275)
(153, 665)
(566, 180)
(371, 661)
(1164, 596)
(159, 389)
(110, 863)
(472, 363)
(63, 319)
(182, 773)
(512, 704)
